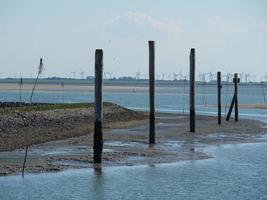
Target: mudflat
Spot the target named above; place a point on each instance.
(60, 137)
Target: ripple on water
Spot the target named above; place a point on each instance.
(236, 172)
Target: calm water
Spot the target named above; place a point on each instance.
(168, 99)
(235, 172)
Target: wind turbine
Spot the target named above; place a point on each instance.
(82, 74)
(241, 75)
(145, 76)
(254, 78)
(210, 76)
(231, 76)
(184, 77)
(247, 76)
(74, 75)
(163, 75)
(158, 76)
(200, 76)
(110, 74)
(180, 75)
(105, 75)
(203, 80)
(175, 75)
(227, 77)
(137, 75)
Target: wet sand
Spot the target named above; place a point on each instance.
(246, 106)
(126, 143)
(72, 87)
(253, 106)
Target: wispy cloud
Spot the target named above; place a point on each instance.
(216, 20)
(145, 20)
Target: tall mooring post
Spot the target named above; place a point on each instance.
(151, 45)
(234, 102)
(98, 134)
(219, 87)
(192, 90)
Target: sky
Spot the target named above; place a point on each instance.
(228, 35)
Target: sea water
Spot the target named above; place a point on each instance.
(235, 172)
(168, 99)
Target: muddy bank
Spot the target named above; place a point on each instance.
(49, 122)
(127, 144)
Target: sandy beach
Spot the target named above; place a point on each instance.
(62, 138)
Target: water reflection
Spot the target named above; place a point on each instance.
(235, 172)
(151, 146)
(97, 169)
(98, 183)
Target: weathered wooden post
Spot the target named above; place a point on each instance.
(234, 100)
(231, 108)
(98, 134)
(219, 86)
(236, 80)
(151, 45)
(192, 90)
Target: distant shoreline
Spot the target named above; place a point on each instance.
(115, 86)
(128, 88)
(130, 82)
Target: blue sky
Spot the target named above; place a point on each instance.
(229, 35)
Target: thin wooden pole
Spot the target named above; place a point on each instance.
(192, 90)
(231, 108)
(26, 151)
(151, 45)
(20, 85)
(263, 92)
(236, 80)
(219, 86)
(98, 134)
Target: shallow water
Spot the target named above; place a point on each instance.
(167, 98)
(235, 172)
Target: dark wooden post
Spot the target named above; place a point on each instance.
(151, 45)
(234, 102)
(98, 134)
(192, 90)
(231, 108)
(236, 80)
(219, 86)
